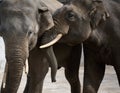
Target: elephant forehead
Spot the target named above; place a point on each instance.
(32, 24)
(78, 8)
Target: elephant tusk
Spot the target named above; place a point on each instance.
(58, 37)
(5, 75)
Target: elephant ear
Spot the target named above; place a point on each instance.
(46, 9)
(98, 13)
(45, 18)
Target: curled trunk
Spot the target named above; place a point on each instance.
(52, 5)
(47, 37)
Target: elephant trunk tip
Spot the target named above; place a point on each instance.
(53, 74)
(53, 79)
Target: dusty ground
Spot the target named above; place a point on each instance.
(109, 84)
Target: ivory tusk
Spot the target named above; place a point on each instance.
(58, 37)
(5, 75)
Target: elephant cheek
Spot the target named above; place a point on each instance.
(84, 32)
(46, 22)
(65, 29)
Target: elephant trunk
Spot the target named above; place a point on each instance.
(52, 62)
(47, 37)
(15, 58)
(51, 37)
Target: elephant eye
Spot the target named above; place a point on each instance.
(70, 16)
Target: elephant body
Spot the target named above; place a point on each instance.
(94, 22)
(67, 51)
(19, 27)
(99, 30)
(102, 48)
(38, 66)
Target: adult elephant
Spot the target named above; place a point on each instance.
(101, 39)
(20, 21)
(98, 23)
(102, 47)
(67, 51)
(67, 56)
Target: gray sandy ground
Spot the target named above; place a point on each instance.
(109, 84)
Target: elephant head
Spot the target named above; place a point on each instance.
(20, 22)
(76, 21)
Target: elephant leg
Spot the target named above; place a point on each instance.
(93, 72)
(38, 67)
(37, 77)
(72, 70)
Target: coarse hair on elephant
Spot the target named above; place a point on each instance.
(20, 26)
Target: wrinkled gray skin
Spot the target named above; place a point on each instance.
(19, 27)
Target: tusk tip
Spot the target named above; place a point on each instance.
(52, 42)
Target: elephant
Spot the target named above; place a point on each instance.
(38, 66)
(67, 22)
(97, 27)
(102, 47)
(100, 40)
(21, 22)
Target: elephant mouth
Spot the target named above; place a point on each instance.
(55, 40)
